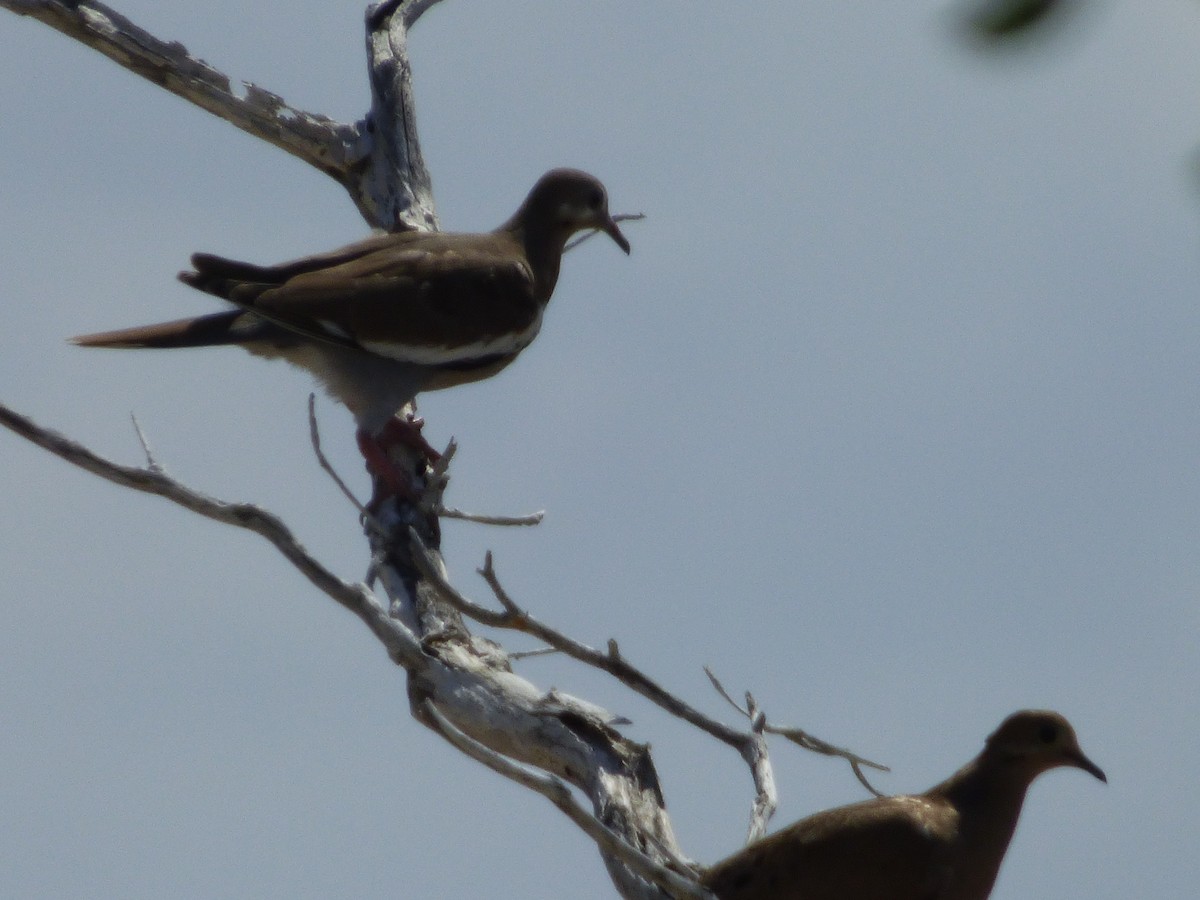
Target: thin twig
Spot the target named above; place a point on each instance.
(529, 654)
(802, 738)
(623, 217)
(720, 688)
(559, 794)
(314, 434)
(151, 462)
(816, 745)
(368, 518)
(449, 512)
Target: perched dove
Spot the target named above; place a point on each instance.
(395, 314)
(945, 844)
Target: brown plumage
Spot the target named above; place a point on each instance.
(944, 844)
(387, 317)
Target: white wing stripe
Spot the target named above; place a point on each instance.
(512, 342)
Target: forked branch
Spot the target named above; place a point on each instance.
(363, 157)
(461, 686)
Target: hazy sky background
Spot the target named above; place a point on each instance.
(891, 417)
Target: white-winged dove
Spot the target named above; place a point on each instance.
(944, 844)
(392, 315)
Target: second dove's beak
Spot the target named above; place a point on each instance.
(1080, 761)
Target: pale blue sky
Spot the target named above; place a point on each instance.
(891, 417)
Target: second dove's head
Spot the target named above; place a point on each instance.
(1039, 740)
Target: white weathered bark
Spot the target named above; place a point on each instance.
(377, 159)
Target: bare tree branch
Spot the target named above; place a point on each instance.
(319, 141)
(469, 679)
(766, 800)
(798, 736)
(366, 158)
(516, 619)
(558, 794)
(449, 512)
(392, 125)
(459, 684)
(401, 644)
(752, 747)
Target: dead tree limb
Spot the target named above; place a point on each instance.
(467, 681)
(377, 159)
(460, 685)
